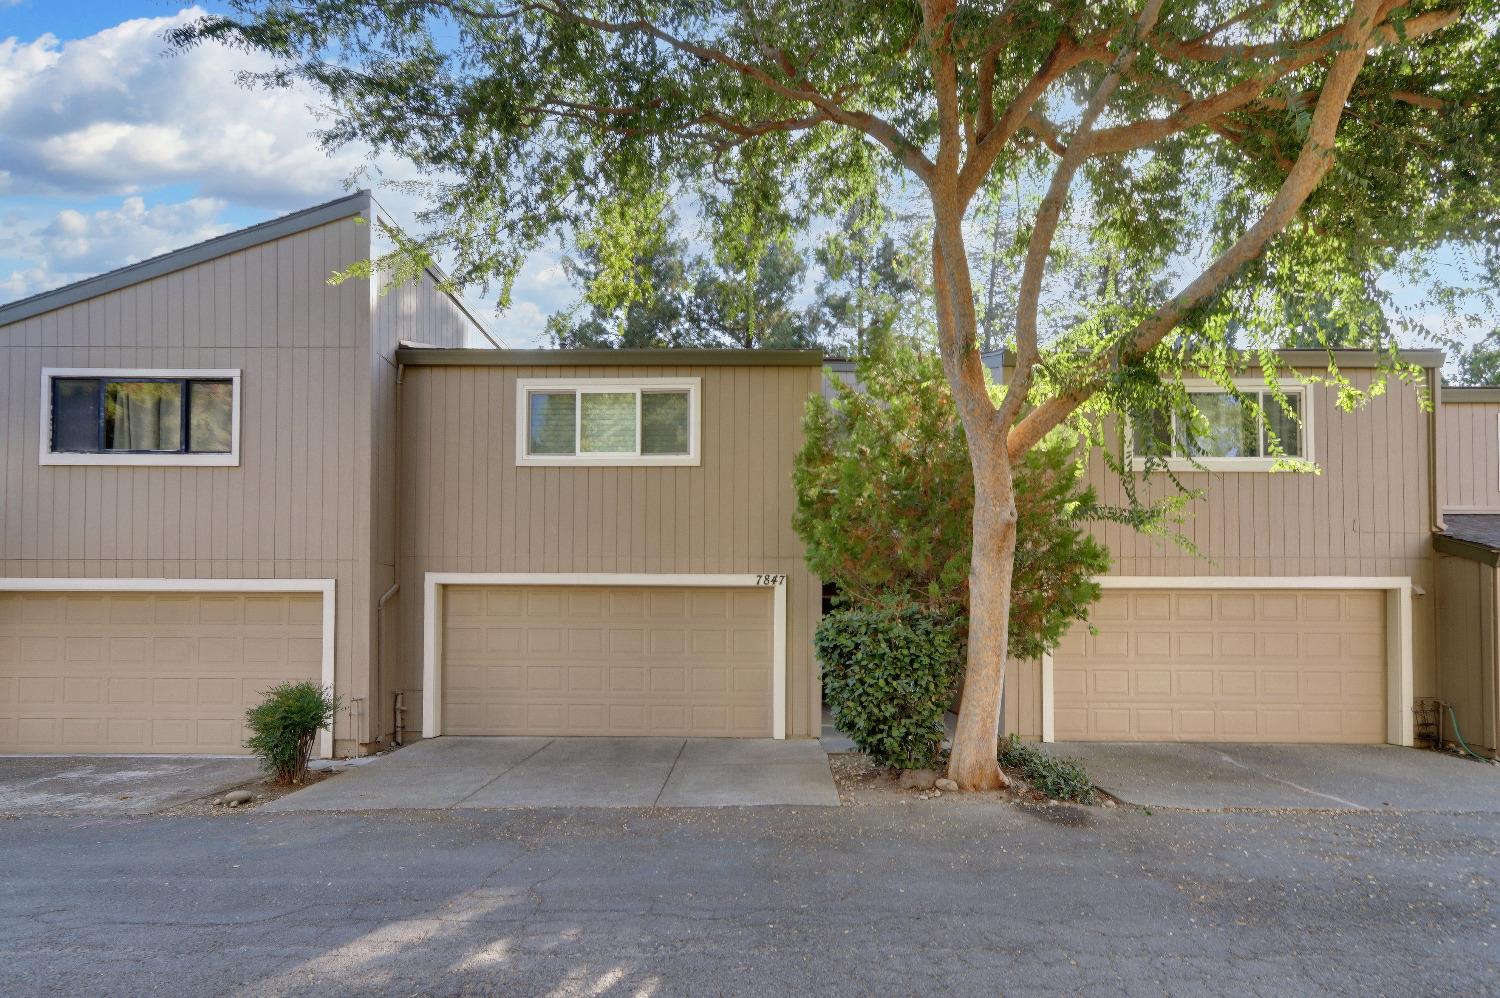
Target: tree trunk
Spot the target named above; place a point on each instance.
(973, 762)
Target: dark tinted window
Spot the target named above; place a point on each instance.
(142, 416)
(75, 414)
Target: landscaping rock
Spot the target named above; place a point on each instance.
(948, 785)
(918, 779)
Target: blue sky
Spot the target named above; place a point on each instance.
(113, 150)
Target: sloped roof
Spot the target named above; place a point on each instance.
(180, 259)
(1475, 536)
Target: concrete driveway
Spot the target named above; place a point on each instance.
(1214, 777)
(113, 785)
(578, 772)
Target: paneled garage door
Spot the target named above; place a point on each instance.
(147, 672)
(602, 660)
(1225, 666)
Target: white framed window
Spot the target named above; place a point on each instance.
(1229, 435)
(158, 417)
(619, 422)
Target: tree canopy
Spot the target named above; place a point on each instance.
(1190, 167)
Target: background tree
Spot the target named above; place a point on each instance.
(996, 259)
(1478, 364)
(635, 278)
(867, 284)
(746, 301)
(1221, 151)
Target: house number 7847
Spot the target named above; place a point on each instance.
(770, 580)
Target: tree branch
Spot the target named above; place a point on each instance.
(1044, 230)
(1065, 55)
(1313, 163)
(953, 292)
(1203, 111)
(877, 128)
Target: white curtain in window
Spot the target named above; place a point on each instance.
(143, 416)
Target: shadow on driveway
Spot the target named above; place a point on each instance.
(1216, 777)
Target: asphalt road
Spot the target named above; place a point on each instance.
(944, 896)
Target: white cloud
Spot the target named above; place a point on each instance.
(520, 326)
(172, 145)
(72, 245)
(117, 113)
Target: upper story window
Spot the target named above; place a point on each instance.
(607, 421)
(150, 417)
(1229, 435)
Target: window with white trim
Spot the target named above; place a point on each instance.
(1226, 433)
(152, 417)
(607, 421)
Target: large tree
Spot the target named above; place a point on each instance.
(1220, 156)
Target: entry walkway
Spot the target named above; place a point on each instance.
(578, 772)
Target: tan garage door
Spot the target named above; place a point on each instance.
(1225, 666)
(147, 672)
(597, 660)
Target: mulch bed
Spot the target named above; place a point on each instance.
(862, 783)
(264, 791)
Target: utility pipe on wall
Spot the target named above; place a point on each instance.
(380, 637)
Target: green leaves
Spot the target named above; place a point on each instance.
(1060, 778)
(284, 724)
(885, 503)
(531, 120)
(889, 673)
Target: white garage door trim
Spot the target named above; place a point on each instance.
(432, 611)
(1398, 631)
(323, 587)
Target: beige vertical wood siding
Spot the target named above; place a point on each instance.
(298, 505)
(466, 507)
(1469, 655)
(314, 494)
(1369, 512)
(414, 311)
(1469, 437)
(1023, 700)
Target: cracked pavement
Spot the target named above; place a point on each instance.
(949, 896)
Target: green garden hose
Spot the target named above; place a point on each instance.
(1459, 735)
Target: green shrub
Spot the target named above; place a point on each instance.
(889, 674)
(1058, 778)
(284, 725)
(885, 503)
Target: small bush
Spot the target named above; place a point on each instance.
(284, 725)
(889, 674)
(1060, 779)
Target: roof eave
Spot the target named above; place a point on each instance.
(684, 357)
(1468, 550)
(357, 203)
